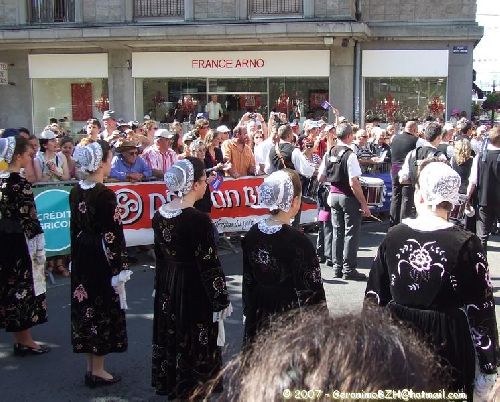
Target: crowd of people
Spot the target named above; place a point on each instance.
(430, 273)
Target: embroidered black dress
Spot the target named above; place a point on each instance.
(437, 281)
(97, 254)
(280, 272)
(189, 287)
(20, 309)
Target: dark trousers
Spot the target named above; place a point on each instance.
(402, 204)
(346, 223)
(486, 217)
(407, 202)
(324, 241)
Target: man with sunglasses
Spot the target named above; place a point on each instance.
(127, 165)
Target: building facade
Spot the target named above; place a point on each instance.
(393, 59)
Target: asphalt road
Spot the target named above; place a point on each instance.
(58, 376)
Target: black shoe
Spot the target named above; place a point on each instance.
(94, 381)
(355, 276)
(338, 274)
(322, 260)
(329, 263)
(23, 350)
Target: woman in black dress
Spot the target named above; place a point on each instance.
(280, 267)
(434, 276)
(99, 267)
(190, 287)
(22, 260)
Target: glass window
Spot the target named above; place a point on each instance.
(298, 96)
(72, 100)
(402, 99)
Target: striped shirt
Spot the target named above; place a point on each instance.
(158, 160)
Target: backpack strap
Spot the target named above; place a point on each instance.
(280, 155)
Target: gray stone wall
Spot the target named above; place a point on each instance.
(9, 12)
(336, 9)
(215, 9)
(15, 100)
(99, 11)
(418, 10)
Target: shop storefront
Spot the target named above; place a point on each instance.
(179, 85)
(399, 85)
(69, 87)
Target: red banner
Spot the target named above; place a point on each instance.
(81, 101)
(233, 207)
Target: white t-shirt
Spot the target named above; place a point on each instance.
(214, 110)
(353, 168)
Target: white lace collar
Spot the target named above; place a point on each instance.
(86, 184)
(169, 213)
(427, 223)
(5, 174)
(267, 228)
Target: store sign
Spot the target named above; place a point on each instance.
(4, 74)
(460, 49)
(284, 63)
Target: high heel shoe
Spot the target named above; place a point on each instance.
(23, 350)
(94, 381)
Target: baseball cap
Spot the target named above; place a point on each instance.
(47, 135)
(189, 136)
(342, 119)
(109, 114)
(163, 133)
(223, 129)
(329, 127)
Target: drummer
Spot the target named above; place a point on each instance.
(341, 168)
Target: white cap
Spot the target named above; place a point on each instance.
(342, 119)
(481, 129)
(448, 126)
(163, 133)
(47, 135)
(223, 129)
(329, 127)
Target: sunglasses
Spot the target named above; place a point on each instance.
(133, 153)
(258, 137)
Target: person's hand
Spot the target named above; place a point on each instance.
(366, 211)
(259, 117)
(211, 177)
(134, 177)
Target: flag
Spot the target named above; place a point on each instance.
(326, 105)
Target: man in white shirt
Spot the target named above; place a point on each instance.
(341, 168)
(214, 110)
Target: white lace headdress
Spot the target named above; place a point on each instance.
(276, 192)
(438, 182)
(7, 146)
(180, 177)
(89, 157)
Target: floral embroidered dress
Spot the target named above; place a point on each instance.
(438, 282)
(189, 287)
(97, 254)
(20, 308)
(280, 272)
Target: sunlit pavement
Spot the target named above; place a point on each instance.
(58, 376)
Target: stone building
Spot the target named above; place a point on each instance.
(165, 58)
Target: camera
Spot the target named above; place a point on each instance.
(251, 115)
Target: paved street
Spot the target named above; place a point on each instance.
(58, 376)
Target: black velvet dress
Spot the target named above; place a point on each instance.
(281, 272)
(97, 254)
(189, 287)
(438, 282)
(20, 309)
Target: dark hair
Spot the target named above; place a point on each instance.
(448, 206)
(24, 130)
(433, 131)
(94, 122)
(364, 352)
(284, 131)
(52, 120)
(43, 143)
(343, 130)
(199, 167)
(297, 186)
(64, 140)
(105, 149)
(22, 145)
(465, 126)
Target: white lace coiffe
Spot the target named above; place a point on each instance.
(276, 192)
(89, 157)
(438, 183)
(180, 177)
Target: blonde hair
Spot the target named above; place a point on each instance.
(210, 137)
(462, 151)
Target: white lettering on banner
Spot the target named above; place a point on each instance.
(250, 195)
(216, 196)
(153, 197)
(227, 63)
(131, 209)
(55, 225)
(227, 199)
(54, 215)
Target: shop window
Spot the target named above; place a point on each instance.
(158, 8)
(280, 7)
(71, 101)
(50, 11)
(402, 99)
(298, 97)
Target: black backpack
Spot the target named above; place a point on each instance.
(334, 162)
(416, 159)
